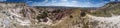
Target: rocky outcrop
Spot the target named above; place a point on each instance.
(19, 15)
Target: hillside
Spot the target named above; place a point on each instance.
(108, 10)
(19, 15)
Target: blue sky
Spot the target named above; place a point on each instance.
(68, 3)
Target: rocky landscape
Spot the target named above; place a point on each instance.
(19, 15)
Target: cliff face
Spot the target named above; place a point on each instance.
(19, 15)
(12, 15)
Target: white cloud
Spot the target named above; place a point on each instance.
(53, 1)
(64, 0)
(3, 0)
(29, 1)
(112, 0)
(73, 3)
(45, 1)
(62, 4)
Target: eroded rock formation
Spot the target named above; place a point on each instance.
(19, 15)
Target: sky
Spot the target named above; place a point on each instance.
(68, 3)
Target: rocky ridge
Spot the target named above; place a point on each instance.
(19, 15)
